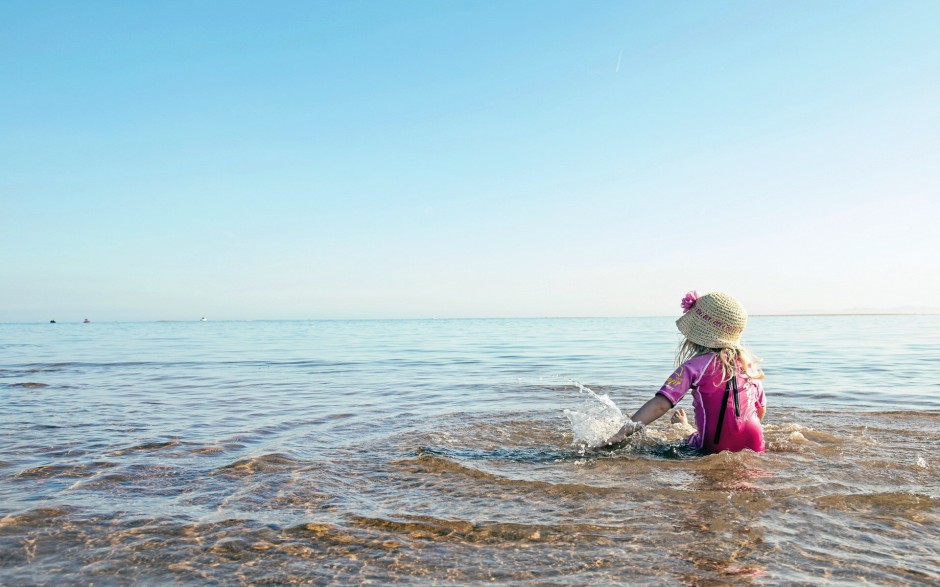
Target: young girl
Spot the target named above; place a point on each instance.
(727, 395)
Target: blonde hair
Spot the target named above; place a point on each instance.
(732, 359)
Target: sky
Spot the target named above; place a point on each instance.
(448, 159)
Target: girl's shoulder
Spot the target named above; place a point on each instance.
(698, 365)
(700, 362)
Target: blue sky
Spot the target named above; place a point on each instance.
(249, 160)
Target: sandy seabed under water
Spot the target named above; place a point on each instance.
(487, 498)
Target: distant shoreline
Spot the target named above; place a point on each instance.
(781, 315)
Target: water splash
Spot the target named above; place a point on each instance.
(597, 420)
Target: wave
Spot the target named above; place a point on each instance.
(65, 470)
(489, 532)
(909, 505)
(38, 517)
(436, 464)
(266, 463)
(526, 454)
(150, 446)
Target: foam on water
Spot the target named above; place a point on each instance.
(597, 420)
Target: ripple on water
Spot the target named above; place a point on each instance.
(490, 532)
(218, 448)
(259, 465)
(911, 506)
(430, 465)
(361, 472)
(85, 469)
(143, 447)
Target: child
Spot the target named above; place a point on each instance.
(727, 394)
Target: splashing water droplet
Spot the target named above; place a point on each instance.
(597, 420)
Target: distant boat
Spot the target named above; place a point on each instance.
(87, 321)
(203, 319)
(52, 322)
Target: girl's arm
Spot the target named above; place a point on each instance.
(761, 404)
(650, 412)
(668, 395)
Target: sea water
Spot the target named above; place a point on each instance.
(596, 421)
(439, 451)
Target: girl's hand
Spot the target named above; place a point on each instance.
(626, 430)
(651, 410)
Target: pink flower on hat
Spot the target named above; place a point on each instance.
(689, 300)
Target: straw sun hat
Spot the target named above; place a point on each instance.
(714, 320)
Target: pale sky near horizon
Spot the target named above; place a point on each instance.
(370, 159)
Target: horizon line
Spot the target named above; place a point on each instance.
(764, 315)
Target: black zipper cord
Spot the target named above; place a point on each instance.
(724, 405)
(737, 408)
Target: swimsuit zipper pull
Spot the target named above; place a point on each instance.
(737, 408)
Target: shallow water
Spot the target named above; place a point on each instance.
(438, 451)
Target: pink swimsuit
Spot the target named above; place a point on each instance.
(734, 403)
